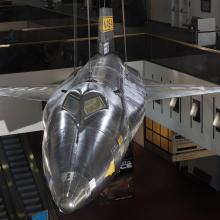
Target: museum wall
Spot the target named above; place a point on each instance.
(160, 10)
(215, 10)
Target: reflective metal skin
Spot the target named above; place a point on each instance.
(82, 150)
(90, 120)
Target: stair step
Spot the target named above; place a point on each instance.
(18, 163)
(16, 158)
(25, 181)
(22, 175)
(14, 152)
(26, 188)
(32, 200)
(12, 146)
(32, 208)
(29, 194)
(20, 169)
(9, 141)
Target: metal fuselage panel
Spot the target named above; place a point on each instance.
(81, 153)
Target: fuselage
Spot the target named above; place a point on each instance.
(89, 123)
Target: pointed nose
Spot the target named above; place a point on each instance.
(67, 205)
(75, 193)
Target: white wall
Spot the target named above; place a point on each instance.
(215, 10)
(201, 133)
(21, 116)
(160, 10)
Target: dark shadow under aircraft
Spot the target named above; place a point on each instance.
(91, 118)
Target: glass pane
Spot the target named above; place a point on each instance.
(93, 105)
(72, 104)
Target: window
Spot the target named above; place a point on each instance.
(93, 105)
(72, 104)
(83, 106)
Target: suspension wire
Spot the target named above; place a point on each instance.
(124, 30)
(89, 33)
(75, 26)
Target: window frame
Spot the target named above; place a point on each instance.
(91, 96)
(76, 96)
(81, 100)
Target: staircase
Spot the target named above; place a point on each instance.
(22, 177)
(3, 209)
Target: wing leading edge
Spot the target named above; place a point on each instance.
(154, 91)
(164, 91)
(39, 93)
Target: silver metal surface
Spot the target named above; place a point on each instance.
(40, 93)
(89, 121)
(165, 91)
(80, 148)
(83, 149)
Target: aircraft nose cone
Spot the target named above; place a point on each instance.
(67, 205)
(75, 193)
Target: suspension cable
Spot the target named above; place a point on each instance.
(89, 33)
(124, 30)
(75, 25)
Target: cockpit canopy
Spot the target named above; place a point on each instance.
(84, 105)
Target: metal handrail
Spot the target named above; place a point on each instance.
(64, 41)
(193, 46)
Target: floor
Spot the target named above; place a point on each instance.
(162, 192)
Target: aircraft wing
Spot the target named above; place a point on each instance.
(156, 91)
(39, 93)
(36, 93)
